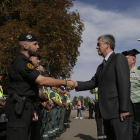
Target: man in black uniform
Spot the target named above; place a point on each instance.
(23, 89)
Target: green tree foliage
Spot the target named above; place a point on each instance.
(74, 102)
(82, 99)
(86, 100)
(58, 31)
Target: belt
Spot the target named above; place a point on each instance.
(28, 98)
(137, 103)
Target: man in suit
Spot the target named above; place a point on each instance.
(91, 107)
(112, 79)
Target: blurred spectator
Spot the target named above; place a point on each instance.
(91, 108)
(79, 109)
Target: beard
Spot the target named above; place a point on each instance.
(31, 52)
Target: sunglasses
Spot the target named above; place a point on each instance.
(98, 44)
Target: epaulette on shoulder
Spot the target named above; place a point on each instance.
(138, 68)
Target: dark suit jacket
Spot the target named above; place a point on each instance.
(91, 106)
(113, 84)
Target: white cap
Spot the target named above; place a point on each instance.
(138, 39)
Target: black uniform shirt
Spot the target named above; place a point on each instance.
(22, 76)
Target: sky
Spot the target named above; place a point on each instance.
(120, 18)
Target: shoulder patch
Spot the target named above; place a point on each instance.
(30, 66)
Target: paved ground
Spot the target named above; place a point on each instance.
(84, 129)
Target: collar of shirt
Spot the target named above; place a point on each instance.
(23, 56)
(133, 69)
(106, 58)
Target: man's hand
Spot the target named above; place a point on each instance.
(123, 115)
(71, 106)
(70, 84)
(2, 104)
(73, 83)
(62, 106)
(45, 104)
(58, 106)
(48, 111)
(66, 107)
(51, 105)
(35, 117)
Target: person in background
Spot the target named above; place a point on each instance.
(2, 102)
(62, 129)
(135, 86)
(78, 109)
(67, 108)
(91, 107)
(70, 107)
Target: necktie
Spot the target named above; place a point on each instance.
(104, 61)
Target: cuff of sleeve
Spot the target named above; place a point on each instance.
(34, 75)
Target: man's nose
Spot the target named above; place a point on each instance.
(37, 46)
(97, 47)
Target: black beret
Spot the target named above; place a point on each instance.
(63, 88)
(27, 37)
(138, 68)
(132, 52)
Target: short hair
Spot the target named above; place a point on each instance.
(20, 45)
(108, 38)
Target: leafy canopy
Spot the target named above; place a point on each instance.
(58, 31)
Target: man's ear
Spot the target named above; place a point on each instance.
(25, 46)
(134, 59)
(108, 44)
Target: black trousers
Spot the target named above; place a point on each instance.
(136, 107)
(36, 126)
(69, 113)
(66, 116)
(18, 127)
(115, 129)
(99, 123)
(99, 120)
(90, 113)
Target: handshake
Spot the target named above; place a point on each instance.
(71, 84)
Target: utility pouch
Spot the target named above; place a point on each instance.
(20, 103)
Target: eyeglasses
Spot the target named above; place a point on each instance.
(98, 44)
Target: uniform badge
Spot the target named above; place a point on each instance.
(137, 77)
(28, 36)
(30, 66)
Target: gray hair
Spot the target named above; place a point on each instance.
(108, 38)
